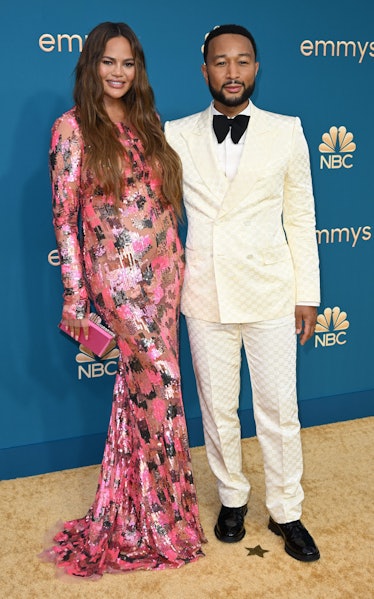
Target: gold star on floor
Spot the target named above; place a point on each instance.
(257, 551)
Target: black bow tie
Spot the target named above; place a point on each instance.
(222, 124)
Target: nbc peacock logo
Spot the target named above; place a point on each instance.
(336, 148)
(331, 327)
(89, 367)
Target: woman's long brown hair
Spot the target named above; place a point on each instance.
(104, 156)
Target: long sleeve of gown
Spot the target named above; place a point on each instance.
(65, 170)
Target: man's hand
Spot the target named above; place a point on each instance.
(305, 320)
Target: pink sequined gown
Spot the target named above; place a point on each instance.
(130, 265)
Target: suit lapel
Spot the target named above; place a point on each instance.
(250, 162)
(201, 143)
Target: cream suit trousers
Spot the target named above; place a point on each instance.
(270, 348)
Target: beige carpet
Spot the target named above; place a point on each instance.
(338, 510)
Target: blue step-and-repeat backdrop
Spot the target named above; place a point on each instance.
(316, 61)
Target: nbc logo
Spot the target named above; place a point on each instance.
(336, 148)
(331, 327)
(88, 367)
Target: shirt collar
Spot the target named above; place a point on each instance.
(246, 111)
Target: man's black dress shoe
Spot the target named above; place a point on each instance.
(297, 541)
(230, 524)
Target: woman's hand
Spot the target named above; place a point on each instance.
(74, 325)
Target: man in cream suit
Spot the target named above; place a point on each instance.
(252, 280)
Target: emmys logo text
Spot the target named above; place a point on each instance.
(61, 42)
(339, 49)
(351, 235)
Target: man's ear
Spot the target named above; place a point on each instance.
(204, 72)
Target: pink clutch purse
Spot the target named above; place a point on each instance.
(100, 339)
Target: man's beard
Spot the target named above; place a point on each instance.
(220, 97)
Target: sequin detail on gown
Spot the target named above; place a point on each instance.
(145, 512)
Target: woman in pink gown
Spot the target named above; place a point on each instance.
(112, 166)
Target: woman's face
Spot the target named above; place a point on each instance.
(117, 69)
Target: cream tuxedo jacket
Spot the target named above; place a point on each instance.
(251, 251)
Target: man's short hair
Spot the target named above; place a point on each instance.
(221, 29)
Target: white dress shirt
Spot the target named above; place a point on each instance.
(228, 153)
